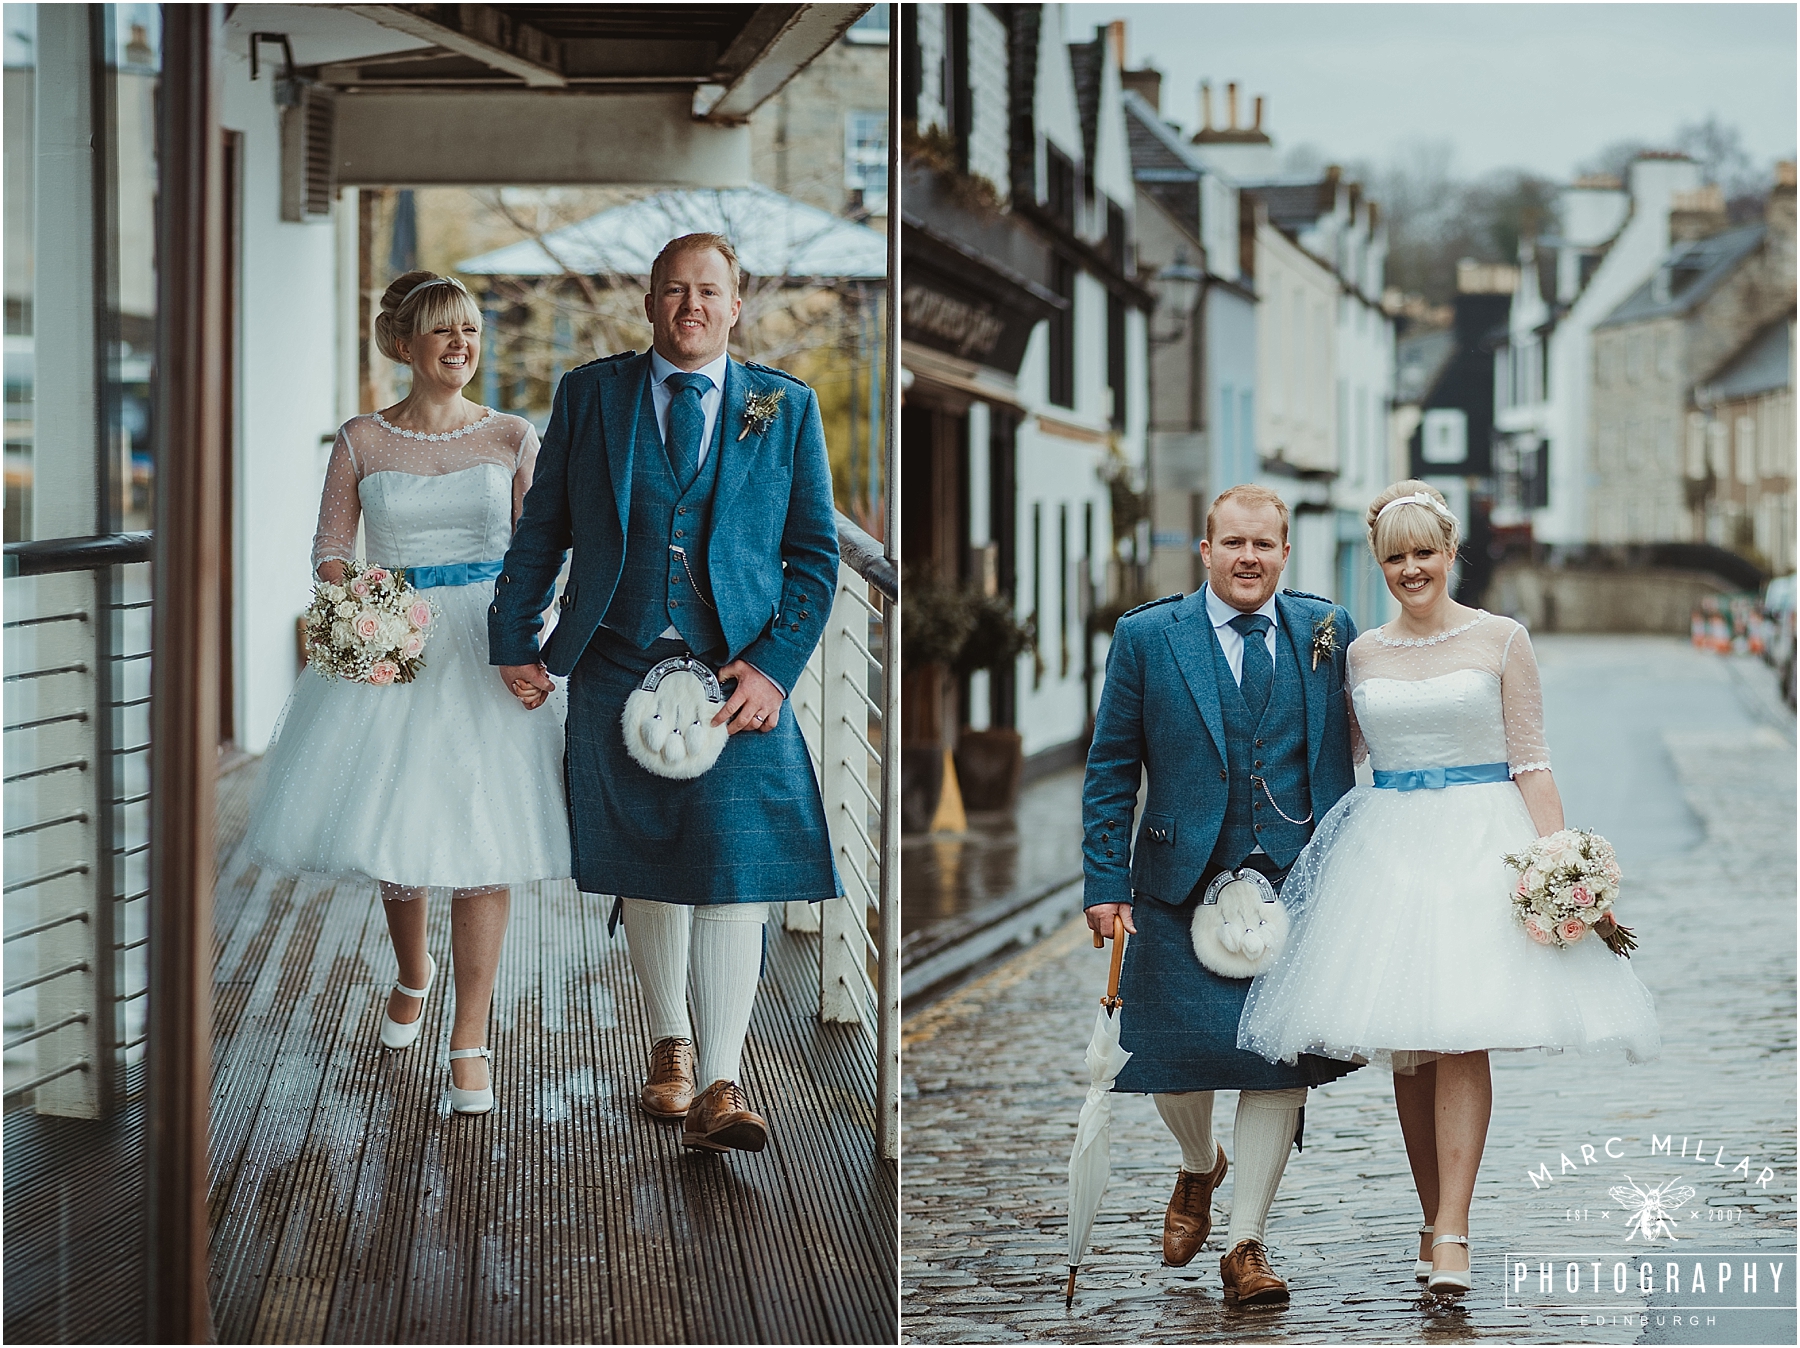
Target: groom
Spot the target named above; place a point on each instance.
(1232, 699)
(695, 494)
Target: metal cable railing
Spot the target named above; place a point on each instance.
(76, 819)
(839, 708)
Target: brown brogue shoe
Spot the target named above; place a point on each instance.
(669, 1093)
(1248, 1279)
(722, 1120)
(1188, 1221)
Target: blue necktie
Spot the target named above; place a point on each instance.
(1259, 666)
(687, 424)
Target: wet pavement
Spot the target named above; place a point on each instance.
(1004, 853)
(1686, 762)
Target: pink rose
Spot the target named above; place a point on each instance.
(376, 575)
(366, 626)
(1573, 930)
(1521, 890)
(383, 672)
(419, 615)
(414, 644)
(360, 587)
(1583, 898)
(1537, 933)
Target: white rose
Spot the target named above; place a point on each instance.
(345, 610)
(341, 635)
(336, 593)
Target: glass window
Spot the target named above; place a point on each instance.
(872, 28)
(865, 158)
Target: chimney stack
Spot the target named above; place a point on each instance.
(1115, 41)
(1257, 124)
(1231, 104)
(1205, 106)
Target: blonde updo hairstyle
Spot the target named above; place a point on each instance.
(1412, 525)
(407, 310)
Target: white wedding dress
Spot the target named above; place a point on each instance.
(447, 780)
(1404, 944)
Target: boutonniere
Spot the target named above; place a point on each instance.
(759, 411)
(1324, 642)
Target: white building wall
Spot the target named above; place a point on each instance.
(288, 405)
(1633, 255)
(932, 37)
(989, 133)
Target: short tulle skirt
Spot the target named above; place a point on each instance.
(444, 781)
(1405, 946)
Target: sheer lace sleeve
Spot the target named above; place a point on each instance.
(1522, 706)
(528, 451)
(340, 507)
(1359, 747)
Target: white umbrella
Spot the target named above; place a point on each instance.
(1090, 1164)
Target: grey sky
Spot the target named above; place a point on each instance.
(1539, 87)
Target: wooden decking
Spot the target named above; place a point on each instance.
(349, 1206)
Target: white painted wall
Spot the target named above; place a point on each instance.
(1633, 255)
(288, 397)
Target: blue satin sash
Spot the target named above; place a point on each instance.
(454, 573)
(1436, 779)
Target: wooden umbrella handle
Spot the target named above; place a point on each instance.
(1118, 957)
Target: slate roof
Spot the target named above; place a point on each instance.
(1160, 163)
(1294, 206)
(1762, 365)
(775, 235)
(1084, 65)
(1694, 269)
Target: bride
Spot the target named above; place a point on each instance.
(1404, 948)
(446, 780)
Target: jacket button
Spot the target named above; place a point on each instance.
(1259, 762)
(804, 614)
(1259, 744)
(1105, 837)
(1259, 828)
(1224, 776)
(506, 580)
(681, 510)
(493, 608)
(678, 533)
(1109, 851)
(674, 603)
(1257, 805)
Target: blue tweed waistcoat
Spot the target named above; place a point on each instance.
(1273, 749)
(654, 588)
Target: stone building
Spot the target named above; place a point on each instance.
(1741, 449)
(1663, 470)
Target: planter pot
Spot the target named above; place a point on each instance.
(988, 765)
(921, 784)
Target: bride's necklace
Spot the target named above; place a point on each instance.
(1381, 636)
(457, 434)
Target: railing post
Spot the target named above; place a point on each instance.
(843, 944)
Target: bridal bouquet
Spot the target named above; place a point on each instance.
(369, 628)
(1568, 883)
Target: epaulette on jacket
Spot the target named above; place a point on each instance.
(770, 369)
(605, 360)
(1305, 594)
(1166, 599)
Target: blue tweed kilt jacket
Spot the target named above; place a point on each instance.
(1160, 713)
(752, 828)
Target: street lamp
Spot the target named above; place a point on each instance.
(1177, 288)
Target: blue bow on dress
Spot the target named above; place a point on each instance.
(1436, 779)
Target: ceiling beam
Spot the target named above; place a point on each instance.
(775, 45)
(485, 33)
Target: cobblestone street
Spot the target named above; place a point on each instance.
(1685, 762)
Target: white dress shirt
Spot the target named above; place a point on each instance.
(661, 395)
(1230, 641)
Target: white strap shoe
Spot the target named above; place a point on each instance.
(1450, 1282)
(472, 1102)
(393, 1033)
(1422, 1267)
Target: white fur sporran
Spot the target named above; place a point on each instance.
(1240, 924)
(668, 719)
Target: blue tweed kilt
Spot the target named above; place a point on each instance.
(1181, 1020)
(749, 830)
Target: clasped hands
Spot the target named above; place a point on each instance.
(755, 704)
